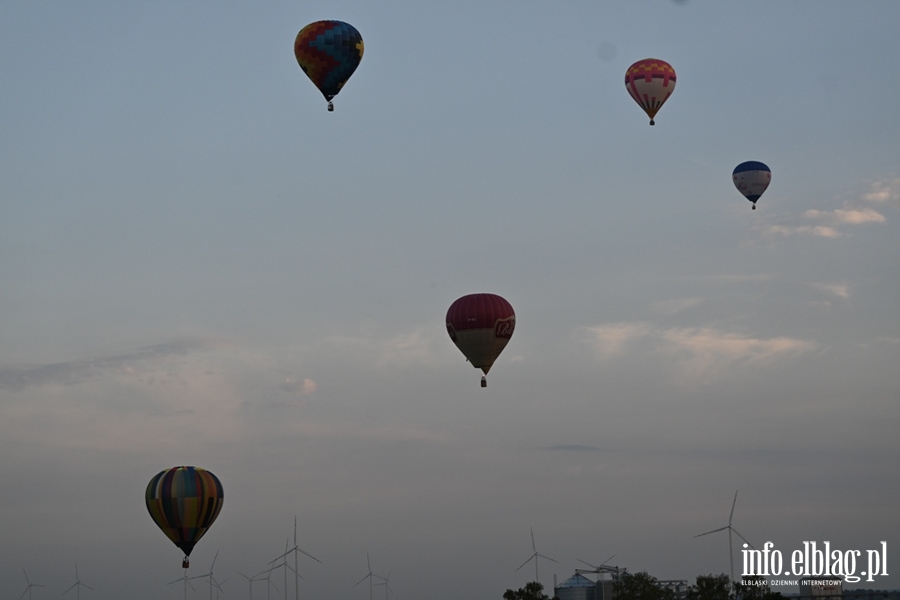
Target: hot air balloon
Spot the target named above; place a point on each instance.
(650, 82)
(328, 52)
(184, 502)
(480, 325)
(751, 178)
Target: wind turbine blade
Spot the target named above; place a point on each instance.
(70, 589)
(588, 564)
(608, 559)
(308, 554)
(547, 557)
(713, 531)
(88, 587)
(527, 561)
(361, 580)
(280, 556)
(731, 514)
(214, 561)
(532, 540)
(742, 537)
(176, 581)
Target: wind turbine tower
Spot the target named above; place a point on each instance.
(77, 585)
(296, 549)
(534, 557)
(730, 529)
(369, 576)
(30, 585)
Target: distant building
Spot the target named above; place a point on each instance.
(579, 587)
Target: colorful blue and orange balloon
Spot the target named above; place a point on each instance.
(751, 178)
(184, 502)
(328, 52)
(650, 82)
(481, 325)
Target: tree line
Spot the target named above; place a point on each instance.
(643, 586)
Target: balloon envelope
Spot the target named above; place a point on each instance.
(481, 325)
(184, 502)
(328, 52)
(650, 82)
(751, 178)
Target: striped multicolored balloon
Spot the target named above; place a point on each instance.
(328, 52)
(184, 502)
(650, 82)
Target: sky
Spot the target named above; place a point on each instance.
(200, 265)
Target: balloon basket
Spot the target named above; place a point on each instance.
(331, 107)
(754, 207)
(185, 563)
(484, 382)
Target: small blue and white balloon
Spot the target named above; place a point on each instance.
(751, 178)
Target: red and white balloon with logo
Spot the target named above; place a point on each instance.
(481, 325)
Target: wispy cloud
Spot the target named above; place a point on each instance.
(676, 305)
(609, 341)
(706, 352)
(20, 377)
(818, 230)
(573, 448)
(418, 347)
(847, 216)
(696, 353)
(884, 192)
(853, 212)
(841, 290)
(302, 387)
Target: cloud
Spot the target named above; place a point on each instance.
(833, 223)
(705, 352)
(573, 448)
(844, 216)
(695, 353)
(884, 191)
(299, 388)
(821, 231)
(19, 377)
(609, 341)
(418, 347)
(675, 305)
(841, 290)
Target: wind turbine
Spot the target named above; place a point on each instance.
(250, 580)
(30, 585)
(283, 564)
(387, 586)
(210, 575)
(184, 578)
(534, 557)
(77, 585)
(369, 576)
(269, 584)
(730, 529)
(296, 549)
